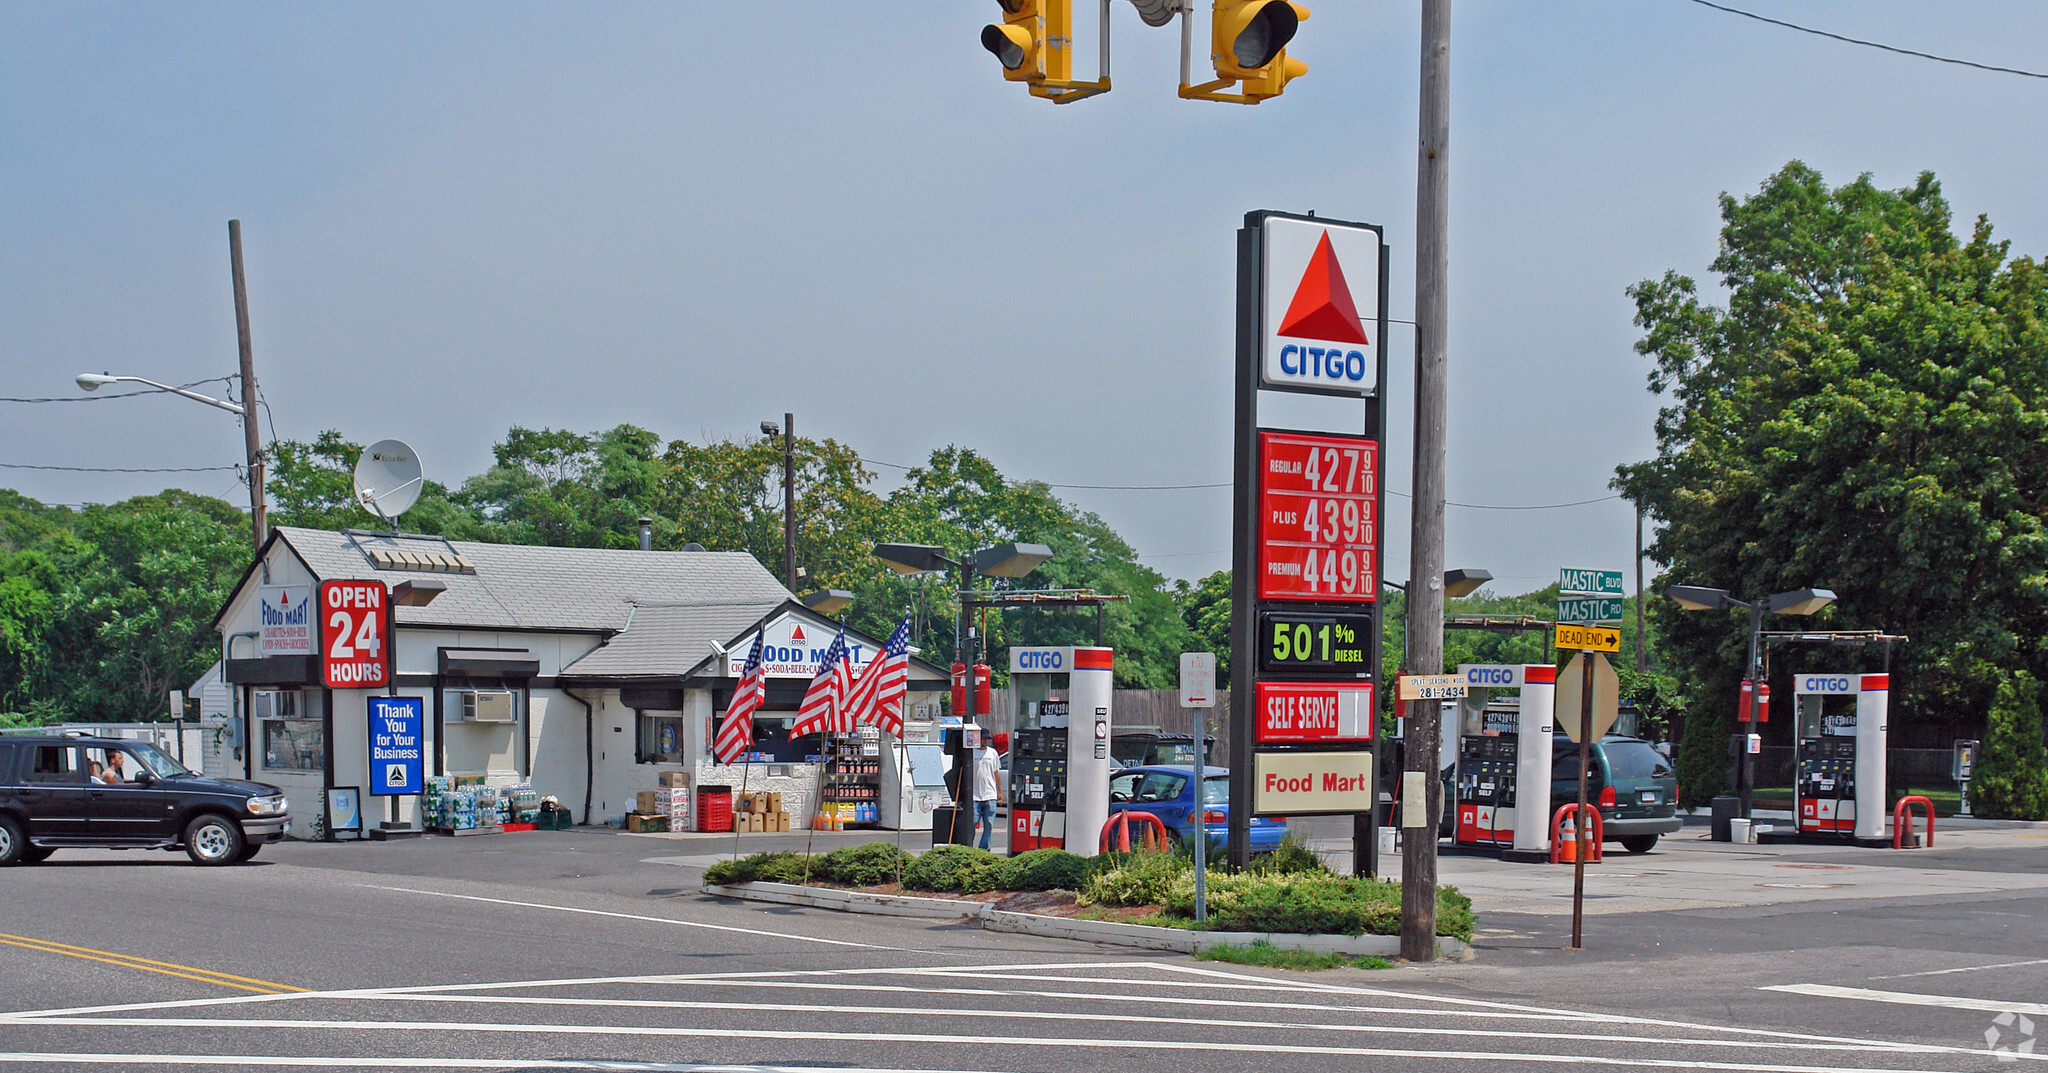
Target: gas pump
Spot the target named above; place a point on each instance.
(1502, 783)
(1839, 788)
(1059, 749)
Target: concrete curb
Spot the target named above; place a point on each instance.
(1111, 933)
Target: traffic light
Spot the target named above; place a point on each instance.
(1249, 40)
(1035, 40)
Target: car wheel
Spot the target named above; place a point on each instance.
(36, 854)
(1639, 843)
(13, 842)
(248, 852)
(214, 840)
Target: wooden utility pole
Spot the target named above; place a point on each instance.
(1642, 627)
(251, 439)
(789, 501)
(1425, 650)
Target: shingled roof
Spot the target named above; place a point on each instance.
(693, 594)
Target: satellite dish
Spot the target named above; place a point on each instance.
(388, 479)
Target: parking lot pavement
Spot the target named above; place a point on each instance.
(1689, 871)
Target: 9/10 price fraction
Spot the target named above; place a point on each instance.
(1315, 642)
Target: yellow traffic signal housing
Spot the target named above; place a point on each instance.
(1035, 45)
(1248, 45)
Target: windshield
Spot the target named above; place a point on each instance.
(161, 764)
(1634, 760)
(1216, 790)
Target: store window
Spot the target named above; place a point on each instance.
(661, 738)
(292, 735)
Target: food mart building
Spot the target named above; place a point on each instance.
(581, 672)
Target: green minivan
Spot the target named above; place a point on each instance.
(1633, 784)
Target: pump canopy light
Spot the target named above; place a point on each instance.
(1003, 560)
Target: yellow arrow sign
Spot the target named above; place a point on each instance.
(1589, 638)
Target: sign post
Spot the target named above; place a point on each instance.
(1584, 598)
(1198, 692)
(1306, 515)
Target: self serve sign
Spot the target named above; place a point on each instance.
(354, 651)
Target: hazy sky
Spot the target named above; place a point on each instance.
(696, 216)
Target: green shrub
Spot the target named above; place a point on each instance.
(1293, 858)
(1262, 952)
(2012, 768)
(1136, 879)
(869, 865)
(943, 868)
(1312, 904)
(776, 867)
(1047, 869)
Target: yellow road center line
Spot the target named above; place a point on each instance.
(164, 967)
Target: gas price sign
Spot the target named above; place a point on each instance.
(1301, 642)
(1318, 517)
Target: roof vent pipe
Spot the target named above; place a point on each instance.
(646, 534)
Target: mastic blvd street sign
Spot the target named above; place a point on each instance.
(1589, 638)
(1588, 610)
(1321, 316)
(1590, 582)
(1318, 532)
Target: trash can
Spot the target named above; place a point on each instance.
(942, 825)
(1725, 808)
(1739, 830)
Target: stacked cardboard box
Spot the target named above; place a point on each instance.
(759, 812)
(682, 800)
(642, 824)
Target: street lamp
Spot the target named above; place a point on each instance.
(787, 430)
(1793, 602)
(96, 381)
(1003, 560)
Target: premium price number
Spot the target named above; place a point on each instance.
(1291, 642)
(1318, 517)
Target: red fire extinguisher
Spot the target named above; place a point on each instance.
(1763, 702)
(984, 698)
(959, 687)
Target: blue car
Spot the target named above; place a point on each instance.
(1167, 791)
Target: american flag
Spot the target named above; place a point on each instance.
(824, 707)
(878, 697)
(736, 737)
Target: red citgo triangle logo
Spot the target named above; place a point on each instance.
(1322, 308)
(796, 636)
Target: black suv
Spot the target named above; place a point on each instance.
(109, 793)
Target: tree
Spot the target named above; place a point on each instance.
(312, 486)
(1205, 610)
(1866, 414)
(2011, 779)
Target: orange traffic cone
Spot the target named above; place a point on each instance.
(1568, 845)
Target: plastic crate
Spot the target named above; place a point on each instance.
(555, 821)
(714, 808)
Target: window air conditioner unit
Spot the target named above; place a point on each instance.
(487, 706)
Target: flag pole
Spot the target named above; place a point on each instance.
(746, 770)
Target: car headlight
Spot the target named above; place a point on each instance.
(273, 805)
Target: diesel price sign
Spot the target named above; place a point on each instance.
(1319, 535)
(1301, 642)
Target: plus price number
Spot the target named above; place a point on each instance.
(1297, 642)
(1318, 517)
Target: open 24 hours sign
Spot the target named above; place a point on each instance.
(355, 652)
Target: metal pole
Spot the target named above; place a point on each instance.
(1201, 816)
(963, 757)
(1244, 553)
(1581, 821)
(1748, 762)
(789, 501)
(258, 522)
(1426, 540)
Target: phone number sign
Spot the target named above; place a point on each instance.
(354, 653)
(1319, 525)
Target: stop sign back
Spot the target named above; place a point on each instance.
(354, 651)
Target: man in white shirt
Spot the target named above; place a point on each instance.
(987, 768)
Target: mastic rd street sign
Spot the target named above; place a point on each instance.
(1571, 581)
(1588, 610)
(1588, 638)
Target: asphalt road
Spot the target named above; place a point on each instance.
(591, 950)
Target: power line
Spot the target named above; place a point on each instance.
(119, 469)
(1870, 44)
